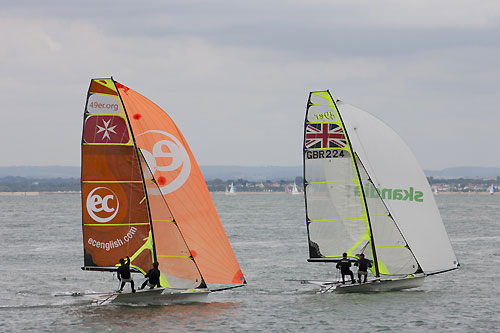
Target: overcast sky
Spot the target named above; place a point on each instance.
(235, 75)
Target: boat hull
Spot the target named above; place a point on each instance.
(375, 285)
(160, 296)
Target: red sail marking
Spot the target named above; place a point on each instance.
(105, 129)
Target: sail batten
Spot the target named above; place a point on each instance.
(114, 225)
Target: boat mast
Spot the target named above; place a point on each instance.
(142, 174)
(139, 154)
(304, 183)
(362, 191)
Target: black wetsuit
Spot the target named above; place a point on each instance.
(153, 277)
(363, 265)
(123, 272)
(345, 269)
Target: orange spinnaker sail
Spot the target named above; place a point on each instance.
(179, 179)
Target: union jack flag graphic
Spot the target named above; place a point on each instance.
(325, 136)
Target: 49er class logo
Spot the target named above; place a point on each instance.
(167, 159)
(102, 204)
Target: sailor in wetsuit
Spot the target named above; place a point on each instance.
(124, 275)
(153, 277)
(345, 268)
(363, 265)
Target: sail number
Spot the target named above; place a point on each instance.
(333, 153)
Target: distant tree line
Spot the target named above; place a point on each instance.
(21, 184)
(242, 185)
(457, 181)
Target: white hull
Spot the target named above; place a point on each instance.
(159, 296)
(375, 285)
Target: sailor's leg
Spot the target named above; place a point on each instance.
(122, 285)
(352, 277)
(132, 286)
(343, 277)
(144, 285)
(359, 277)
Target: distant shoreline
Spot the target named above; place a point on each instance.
(216, 192)
(23, 194)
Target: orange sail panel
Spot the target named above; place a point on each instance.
(182, 187)
(177, 267)
(115, 215)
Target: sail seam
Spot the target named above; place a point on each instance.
(333, 220)
(106, 144)
(332, 181)
(171, 256)
(110, 181)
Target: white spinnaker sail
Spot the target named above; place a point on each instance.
(396, 173)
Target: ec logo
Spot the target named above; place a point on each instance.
(169, 161)
(102, 204)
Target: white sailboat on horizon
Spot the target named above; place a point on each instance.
(231, 190)
(295, 189)
(492, 189)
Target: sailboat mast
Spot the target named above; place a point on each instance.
(362, 191)
(142, 175)
(139, 155)
(304, 183)
(372, 240)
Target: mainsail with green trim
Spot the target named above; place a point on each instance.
(143, 194)
(365, 193)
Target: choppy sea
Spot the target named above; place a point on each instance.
(41, 254)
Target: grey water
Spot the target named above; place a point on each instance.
(41, 254)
